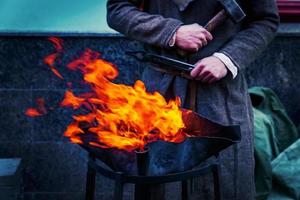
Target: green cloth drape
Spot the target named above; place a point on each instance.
(277, 148)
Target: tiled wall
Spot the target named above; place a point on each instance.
(56, 169)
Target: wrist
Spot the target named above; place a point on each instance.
(230, 66)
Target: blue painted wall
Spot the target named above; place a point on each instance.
(53, 16)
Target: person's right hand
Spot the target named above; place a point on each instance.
(192, 38)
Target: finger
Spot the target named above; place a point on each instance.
(207, 77)
(197, 69)
(208, 35)
(198, 41)
(203, 40)
(202, 75)
(193, 47)
(212, 80)
(195, 44)
(204, 71)
(200, 46)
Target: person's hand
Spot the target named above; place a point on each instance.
(192, 37)
(209, 70)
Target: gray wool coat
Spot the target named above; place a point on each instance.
(226, 101)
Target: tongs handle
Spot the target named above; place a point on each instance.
(164, 62)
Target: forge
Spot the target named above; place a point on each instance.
(162, 162)
(134, 136)
(206, 139)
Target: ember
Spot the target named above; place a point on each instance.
(50, 59)
(117, 115)
(39, 111)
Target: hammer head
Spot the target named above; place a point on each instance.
(233, 9)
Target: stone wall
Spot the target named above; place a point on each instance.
(55, 168)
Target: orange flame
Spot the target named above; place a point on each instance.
(50, 60)
(117, 115)
(33, 112)
(39, 111)
(121, 116)
(71, 100)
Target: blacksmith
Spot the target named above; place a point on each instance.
(220, 57)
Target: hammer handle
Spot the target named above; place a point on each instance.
(218, 19)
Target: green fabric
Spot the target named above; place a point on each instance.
(264, 153)
(286, 174)
(274, 136)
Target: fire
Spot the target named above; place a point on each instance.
(120, 116)
(50, 60)
(39, 111)
(33, 112)
(117, 115)
(72, 100)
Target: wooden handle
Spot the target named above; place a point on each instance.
(216, 20)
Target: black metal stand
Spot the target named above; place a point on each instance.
(184, 190)
(121, 178)
(90, 181)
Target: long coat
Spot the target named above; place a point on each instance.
(226, 101)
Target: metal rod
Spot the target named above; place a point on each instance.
(155, 179)
(119, 183)
(142, 191)
(217, 188)
(90, 181)
(142, 157)
(184, 190)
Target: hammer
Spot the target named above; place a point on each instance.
(231, 10)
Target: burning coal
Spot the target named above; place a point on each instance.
(116, 115)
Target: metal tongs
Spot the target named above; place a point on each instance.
(164, 64)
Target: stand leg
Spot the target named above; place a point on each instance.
(118, 194)
(90, 183)
(142, 192)
(184, 190)
(149, 192)
(217, 188)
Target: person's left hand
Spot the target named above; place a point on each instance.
(209, 70)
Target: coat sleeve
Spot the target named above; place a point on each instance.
(260, 28)
(126, 18)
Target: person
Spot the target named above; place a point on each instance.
(220, 57)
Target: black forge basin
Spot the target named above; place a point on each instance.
(208, 139)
